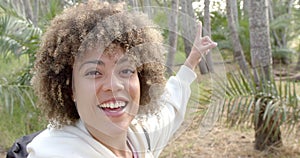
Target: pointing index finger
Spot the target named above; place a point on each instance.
(199, 30)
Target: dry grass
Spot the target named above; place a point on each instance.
(222, 141)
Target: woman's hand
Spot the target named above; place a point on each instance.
(200, 48)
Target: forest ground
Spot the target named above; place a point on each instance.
(225, 142)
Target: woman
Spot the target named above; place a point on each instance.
(99, 77)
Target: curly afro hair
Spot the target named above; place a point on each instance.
(84, 27)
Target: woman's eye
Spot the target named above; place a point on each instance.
(93, 73)
(127, 72)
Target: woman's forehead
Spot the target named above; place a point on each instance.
(114, 53)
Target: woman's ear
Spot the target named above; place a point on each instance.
(73, 94)
(73, 90)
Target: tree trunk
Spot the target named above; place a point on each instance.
(289, 5)
(280, 34)
(274, 33)
(235, 13)
(266, 138)
(205, 64)
(238, 52)
(173, 23)
(35, 12)
(298, 63)
(188, 25)
(147, 8)
(246, 8)
(134, 4)
(44, 11)
(261, 60)
(28, 10)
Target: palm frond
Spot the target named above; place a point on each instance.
(280, 21)
(18, 36)
(12, 95)
(12, 9)
(243, 101)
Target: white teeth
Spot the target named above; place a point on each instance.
(117, 104)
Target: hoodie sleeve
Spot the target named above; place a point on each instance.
(162, 126)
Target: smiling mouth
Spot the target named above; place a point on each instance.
(113, 109)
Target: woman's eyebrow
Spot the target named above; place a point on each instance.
(122, 60)
(97, 62)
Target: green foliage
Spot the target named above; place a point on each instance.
(10, 65)
(52, 8)
(12, 94)
(220, 33)
(20, 37)
(244, 35)
(18, 115)
(161, 19)
(284, 29)
(295, 23)
(282, 55)
(25, 119)
(241, 101)
(17, 34)
(19, 40)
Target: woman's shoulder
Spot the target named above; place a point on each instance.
(59, 142)
(52, 141)
(68, 141)
(50, 134)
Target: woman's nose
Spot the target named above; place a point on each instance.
(112, 83)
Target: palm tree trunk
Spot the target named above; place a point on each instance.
(147, 8)
(35, 12)
(188, 25)
(206, 64)
(134, 4)
(234, 9)
(173, 22)
(271, 135)
(245, 8)
(298, 63)
(261, 60)
(28, 10)
(238, 52)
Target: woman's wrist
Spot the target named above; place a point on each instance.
(191, 62)
(189, 65)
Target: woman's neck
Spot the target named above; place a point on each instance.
(115, 143)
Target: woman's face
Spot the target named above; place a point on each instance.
(106, 89)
